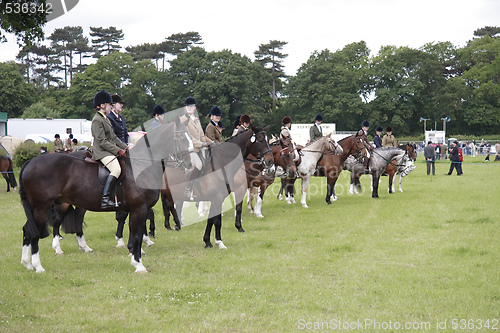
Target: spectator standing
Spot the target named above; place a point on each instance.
(430, 157)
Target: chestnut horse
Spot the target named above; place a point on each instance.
(8, 173)
(392, 168)
(255, 177)
(331, 165)
(306, 166)
(41, 188)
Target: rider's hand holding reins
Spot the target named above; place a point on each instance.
(122, 152)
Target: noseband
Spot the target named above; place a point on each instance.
(260, 159)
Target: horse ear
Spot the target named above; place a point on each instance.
(265, 129)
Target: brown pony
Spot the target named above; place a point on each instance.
(257, 179)
(76, 184)
(7, 172)
(331, 165)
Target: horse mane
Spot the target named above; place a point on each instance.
(310, 144)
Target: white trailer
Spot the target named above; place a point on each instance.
(43, 130)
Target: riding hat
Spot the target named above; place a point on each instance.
(158, 109)
(286, 120)
(190, 101)
(388, 129)
(379, 129)
(244, 119)
(365, 123)
(117, 99)
(57, 136)
(318, 117)
(215, 111)
(102, 97)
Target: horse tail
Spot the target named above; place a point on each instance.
(30, 229)
(72, 222)
(12, 178)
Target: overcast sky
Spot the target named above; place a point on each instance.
(307, 25)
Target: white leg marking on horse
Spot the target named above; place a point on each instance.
(303, 200)
(82, 244)
(35, 261)
(139, 267)
(280, 196)
(26, 257)
(56, 245)
(258, 207)
(220, 244)
(351, 189)
(147, 240)
(400, 183)
(120, 241)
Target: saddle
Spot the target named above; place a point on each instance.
(103, 173)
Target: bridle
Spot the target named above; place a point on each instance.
(260, 159)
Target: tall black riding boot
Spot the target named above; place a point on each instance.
(106, 201)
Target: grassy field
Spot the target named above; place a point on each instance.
(427, 259)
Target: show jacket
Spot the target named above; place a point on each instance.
(389, 141)
(119, 126)
(213, 132)
(106, 143)
(314, 133)
(194, 128)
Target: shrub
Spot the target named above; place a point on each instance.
(25, 152)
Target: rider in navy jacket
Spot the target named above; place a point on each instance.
(117, 120)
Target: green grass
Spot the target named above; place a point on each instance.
(423, 256)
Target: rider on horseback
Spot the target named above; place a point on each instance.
(192, 123)
(106, 145)
(365, 125)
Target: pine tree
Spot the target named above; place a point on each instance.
(270, 57)
(105, 40)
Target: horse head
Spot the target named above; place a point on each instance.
(286, 157)
(259, 147)
(333, 146)
(410, 150)
(362, 145)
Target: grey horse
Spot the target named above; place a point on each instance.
(380, 158)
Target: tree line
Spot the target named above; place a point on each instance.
(398, 86)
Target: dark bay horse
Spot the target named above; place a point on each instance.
(217, 179)
(77, 185)
(255, 178)
(8, 173)
(333, 164)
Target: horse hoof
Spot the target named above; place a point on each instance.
(86, 249)
(221, 245)
(241, 230)
(168, 227)
(208, 246)
(177, 228)
(259, 216)
(329, 202)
